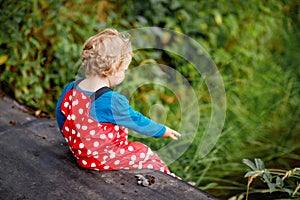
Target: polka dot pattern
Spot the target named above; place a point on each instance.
(102, 146)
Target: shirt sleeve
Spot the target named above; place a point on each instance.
(123, 114)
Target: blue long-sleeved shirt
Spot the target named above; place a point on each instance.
(112, 107)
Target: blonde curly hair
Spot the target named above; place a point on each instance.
(104, 53)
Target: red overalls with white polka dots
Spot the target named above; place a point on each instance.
(102, 146)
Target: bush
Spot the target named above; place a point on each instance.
(255, 49)
(40, 48)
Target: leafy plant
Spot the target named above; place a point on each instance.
(255, 45)
(276, 179)
(40, 49)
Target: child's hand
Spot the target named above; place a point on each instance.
(171, 134)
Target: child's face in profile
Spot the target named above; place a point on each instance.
(119, 76)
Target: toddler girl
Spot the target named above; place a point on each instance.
(94, 119)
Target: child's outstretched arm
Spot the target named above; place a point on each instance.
(170, 133)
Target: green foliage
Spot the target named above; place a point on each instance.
(255, 45)
(276, 179)
(41, 40)
(255, 50)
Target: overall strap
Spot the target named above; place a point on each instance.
(77, 82)
(99, 92)
(96, 94)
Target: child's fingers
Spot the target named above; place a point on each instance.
(171, 134)
(174, 135)
(177, 134)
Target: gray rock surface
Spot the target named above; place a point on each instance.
(35, 163)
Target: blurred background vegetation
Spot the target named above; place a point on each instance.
(255, 45)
